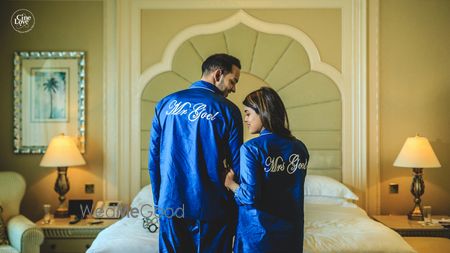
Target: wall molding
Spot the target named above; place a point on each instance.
(373, 188)
(354, 74)
(117, 78)
(122, 169)
(110, 102)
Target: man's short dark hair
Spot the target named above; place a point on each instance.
(223, 62)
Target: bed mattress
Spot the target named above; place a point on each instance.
(328, 228)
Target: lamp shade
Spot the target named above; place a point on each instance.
(62, 152)
(417, 153)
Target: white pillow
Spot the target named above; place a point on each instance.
(333, 201)
(144, 197)
(327, 186)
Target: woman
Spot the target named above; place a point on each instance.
(272, 175)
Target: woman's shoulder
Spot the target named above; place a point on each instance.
(272, 139)
(295, 142)
(267, 139)
(299, 144)
(252, 142)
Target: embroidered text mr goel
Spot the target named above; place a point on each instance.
(192, 111)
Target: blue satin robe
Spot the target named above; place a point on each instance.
(193, 131)
(270, 195)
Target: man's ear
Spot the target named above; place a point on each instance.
(217, 75)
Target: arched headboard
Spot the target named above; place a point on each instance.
(275, 55)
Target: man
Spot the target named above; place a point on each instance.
(193, 132)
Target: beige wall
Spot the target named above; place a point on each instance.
(59, 26)
(415, 97)
(323, 26)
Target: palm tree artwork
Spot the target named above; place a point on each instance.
(51, 87)
(49, 95)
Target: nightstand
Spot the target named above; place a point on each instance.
(62, 237)
(405, 227)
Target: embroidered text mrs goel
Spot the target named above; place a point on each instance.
(277, 164)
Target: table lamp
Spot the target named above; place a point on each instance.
(417, 154)
(61, 153)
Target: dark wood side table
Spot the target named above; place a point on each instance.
(405, 227)
(62, 237)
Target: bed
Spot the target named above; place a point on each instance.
(333, 223)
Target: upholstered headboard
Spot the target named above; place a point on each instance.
(286, 61)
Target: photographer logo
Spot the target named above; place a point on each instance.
(22, 21)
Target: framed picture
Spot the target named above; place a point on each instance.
(49, 99)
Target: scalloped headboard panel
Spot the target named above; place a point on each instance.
(312, 98)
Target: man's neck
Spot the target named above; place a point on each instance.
(208, 79)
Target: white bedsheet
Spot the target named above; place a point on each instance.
(328, 228)
(128, 235)
(343, 229)
(125, 236)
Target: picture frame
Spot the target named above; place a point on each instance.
(49, 99)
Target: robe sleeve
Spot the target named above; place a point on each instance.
(250, 177)
(154, 157)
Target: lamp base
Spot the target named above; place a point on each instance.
(417, 189)
(414, 215)
(61, 213)
(62, 187)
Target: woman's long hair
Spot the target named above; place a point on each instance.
(270, 108)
